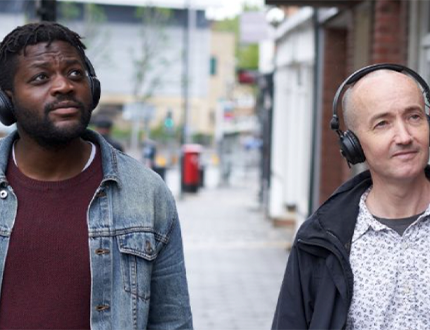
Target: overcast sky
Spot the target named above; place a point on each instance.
(216, 9)
(230, 8)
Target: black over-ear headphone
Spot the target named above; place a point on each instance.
(350, 147)
(7, 112)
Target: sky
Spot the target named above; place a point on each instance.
(231, 8)
(215, 9)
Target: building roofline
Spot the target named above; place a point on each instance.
(174, 4)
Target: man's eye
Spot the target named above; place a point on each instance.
(381, 124)
(76, 73)
(40, 77)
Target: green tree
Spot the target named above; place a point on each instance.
(150, 59)
(93, 16)
(246, 54)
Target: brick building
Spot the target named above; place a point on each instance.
(347, 35)
(365, 33)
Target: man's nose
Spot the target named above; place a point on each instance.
(61, 85)
(403, 134)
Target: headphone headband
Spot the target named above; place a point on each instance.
(357, 75)
(90, 68)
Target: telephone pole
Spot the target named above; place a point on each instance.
(46, 10)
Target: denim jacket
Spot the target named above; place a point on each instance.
(138, 278)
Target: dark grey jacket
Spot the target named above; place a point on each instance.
(317, 288)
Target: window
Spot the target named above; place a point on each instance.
(213, 66)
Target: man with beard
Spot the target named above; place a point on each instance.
(89, 238)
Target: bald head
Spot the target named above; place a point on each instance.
(376, 85)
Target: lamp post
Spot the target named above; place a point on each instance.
(186, 73)
(47, 10)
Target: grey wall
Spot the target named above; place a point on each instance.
(115, 41)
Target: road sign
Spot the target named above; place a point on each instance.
(138, 111)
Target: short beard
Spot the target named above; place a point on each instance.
(44, 133)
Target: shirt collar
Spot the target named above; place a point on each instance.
(366, 221)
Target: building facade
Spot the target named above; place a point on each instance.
(343, 36)
(139, 58)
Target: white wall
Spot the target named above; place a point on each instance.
(122, 42)
(8, 22)
(112, 58)
(292, 122)
(266, 56)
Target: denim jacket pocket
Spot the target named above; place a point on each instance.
(137, 251)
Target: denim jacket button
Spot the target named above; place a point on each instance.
(3, 194)
(148, 247)
(102, 251)
(101, 308)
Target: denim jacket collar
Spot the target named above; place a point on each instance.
(5, 146)
(109, 156)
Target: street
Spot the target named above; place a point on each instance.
(235, 258)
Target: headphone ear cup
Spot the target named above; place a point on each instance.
(7, 115)
(94, 82)
(428, 121)
(95, 90)
(350, 148)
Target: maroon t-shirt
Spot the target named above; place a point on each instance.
(47, 281)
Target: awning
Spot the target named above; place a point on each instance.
(313, 3)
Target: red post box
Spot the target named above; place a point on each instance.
(190, 179)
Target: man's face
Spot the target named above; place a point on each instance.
(51, 95)
(392, 126)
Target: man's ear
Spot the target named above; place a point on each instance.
(8, 94)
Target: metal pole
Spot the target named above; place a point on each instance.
(185, 73)
(184, 85)
(316, 119)
(185, 91)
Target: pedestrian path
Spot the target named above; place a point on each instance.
(235, 258)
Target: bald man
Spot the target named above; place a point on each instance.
(361, 261)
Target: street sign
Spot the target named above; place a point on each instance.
(138, 111)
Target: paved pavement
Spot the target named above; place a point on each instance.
(235, 258)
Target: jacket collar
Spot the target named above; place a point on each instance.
(338, 215)
(109, 155)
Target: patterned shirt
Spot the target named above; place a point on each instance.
(391, 274)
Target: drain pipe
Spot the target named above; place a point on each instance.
(316, 118)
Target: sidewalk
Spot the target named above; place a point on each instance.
(235, 258)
